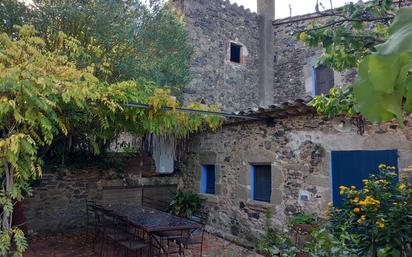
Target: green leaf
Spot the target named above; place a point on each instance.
(380, 86)
(408, 86)
(400, 32)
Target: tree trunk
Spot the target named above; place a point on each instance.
(7, 218)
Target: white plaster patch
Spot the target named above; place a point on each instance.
(304, 197)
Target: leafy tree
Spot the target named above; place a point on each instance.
(12, 13)
(123, 40)
(120, 40)
(349, 33)
(384, 80)
(382, 90)
(44, 95)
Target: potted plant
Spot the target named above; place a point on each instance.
(184, 204)
(304, 222)
(302, 225)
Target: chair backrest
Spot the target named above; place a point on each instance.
(99, 214)
(91, 218)
(89, 207)
(200, 217)
(158, 197)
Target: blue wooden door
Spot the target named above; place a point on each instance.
(349, 168)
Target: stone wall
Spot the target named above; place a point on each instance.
(293, 61)
(298, 150)
(290, 60)
(213, 25)
(58, 203)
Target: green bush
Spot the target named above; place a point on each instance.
(304, 218)
(184, 204)
(326, 244)
(275, 242)
(373, 221)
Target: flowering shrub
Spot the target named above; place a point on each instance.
(378, 216)
(374, 221)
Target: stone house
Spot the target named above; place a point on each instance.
(300, 151)
(281, 164)
(291, 160)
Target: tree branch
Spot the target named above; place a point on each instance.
(341, 21)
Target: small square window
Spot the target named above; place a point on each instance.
(261, 182)
(208, 179)
(235, 52)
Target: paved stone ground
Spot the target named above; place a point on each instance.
(77, 246)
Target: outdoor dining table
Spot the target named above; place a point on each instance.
(151, 221)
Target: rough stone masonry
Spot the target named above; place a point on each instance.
(213, 26)
(298, 148)
(275, 67)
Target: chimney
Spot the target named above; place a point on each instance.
(266, 12)
(266, 8)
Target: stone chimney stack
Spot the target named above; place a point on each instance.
(266, 12)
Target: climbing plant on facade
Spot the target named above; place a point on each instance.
(44, 96)
(122, 41)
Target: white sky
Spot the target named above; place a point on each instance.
(298, 6)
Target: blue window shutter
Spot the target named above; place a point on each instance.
(323, 79)
(349, 168)
(203, 180)
(313, 80)
(210, 179)
(262, 183)
(252, 182)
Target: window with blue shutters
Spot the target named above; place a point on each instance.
(323, 79)
(208, 179)
(261, 182)
(349, 168)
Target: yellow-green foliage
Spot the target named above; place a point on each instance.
(43, 94)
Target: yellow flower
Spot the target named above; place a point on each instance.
(366, 190)
(353, 187)
(382, 166)
(380, 224)
(363, 217)
(369, 201)
(381, 181)
(360, 221)
(402, 186)
(302, 36)
(330, 204)
(365, 181)
(342, 188)
(356, 210)
(356, 200)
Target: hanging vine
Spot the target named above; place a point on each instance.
(44, 97)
